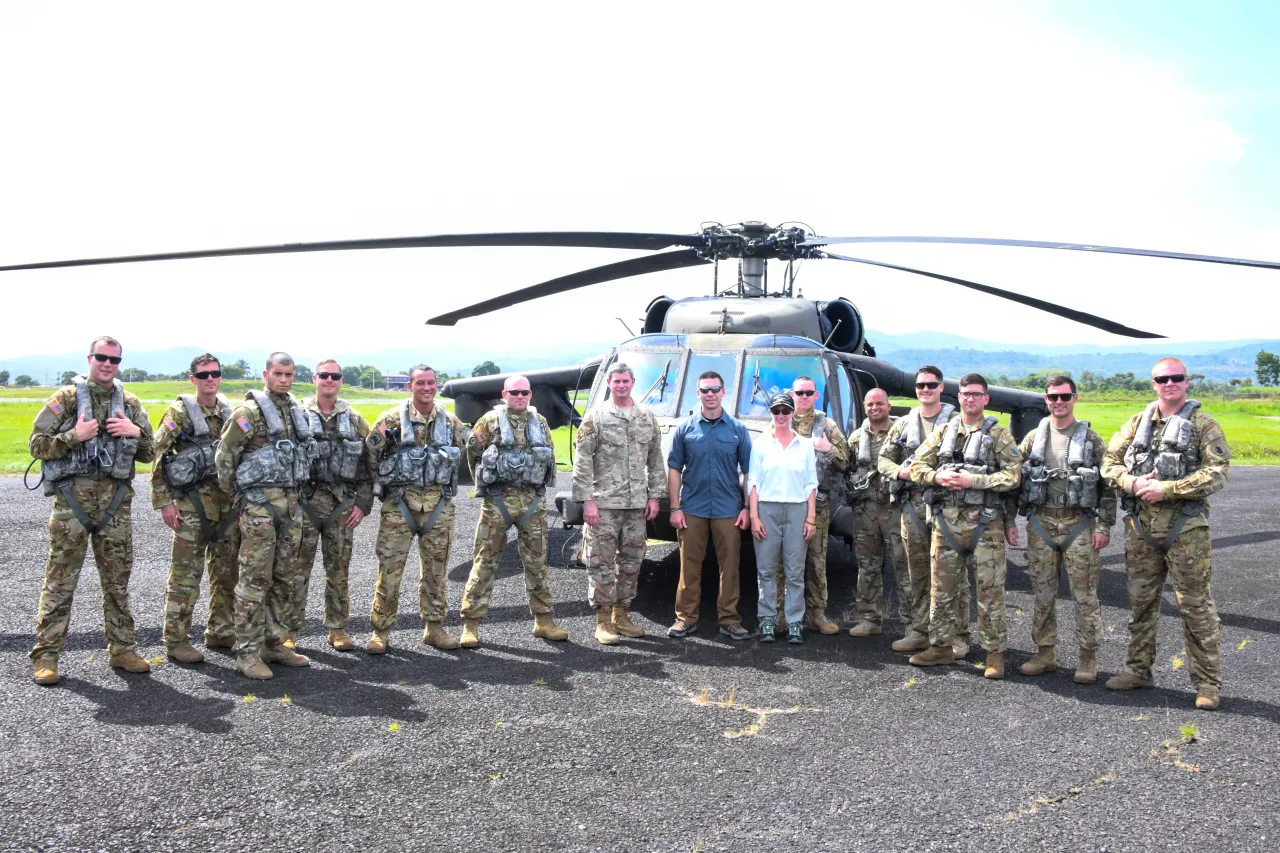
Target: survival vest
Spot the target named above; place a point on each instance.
(101, 457)
(909, 440)
(1081, 473)
(1168, 456)
(864, 472)
(502, 463)
(190, 462)
(830, 480)
(976, 455)
(337, 458)
(414, 464)
(281, 463)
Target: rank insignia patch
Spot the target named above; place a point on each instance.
(244, 424)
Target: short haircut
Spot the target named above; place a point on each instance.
(880, 391)
(973, 379)
(803, 379)
(511, 380)
(281, 358)
(711, 374)
(1170, 360)
(1060, 379)
(620, 367)
(329, 361)
(204, 358)
(420, 368)
(930, 369)
(104, 339)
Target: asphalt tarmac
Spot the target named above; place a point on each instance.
(656, 744)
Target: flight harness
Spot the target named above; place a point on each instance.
(413, 464)
(975, 457)
(337, 461)
(909, 441)
(502, 463)
(830, 480)
(1171, 457)
(186, 468)
(1082, 479)
(858, 485)
(280, 463)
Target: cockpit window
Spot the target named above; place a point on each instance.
(765, 375)
(656, 379)
(724, 363)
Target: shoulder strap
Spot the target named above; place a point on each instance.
(443, 432)
(1078, 451)
(945, 413)
(407, 435)
(84, 403)
(117, 399)
(270, 415)
(533, 429)
(1036, 456)
(1142, 435)
(819, 424)
(506, 437)
(224, 408)
(198, 424)
(947, 448)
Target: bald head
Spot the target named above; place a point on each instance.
(516, 393)
(876, 404)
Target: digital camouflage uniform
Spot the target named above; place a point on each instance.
(915, 530)
(815, 558)
(330, 503)
(268, 559)
(949, 570)
(68, 538)
(1080, 561)
(619, 466)
(877, 527)
(191, 550)
(395, 536)
(491, 531)
(1188, 560)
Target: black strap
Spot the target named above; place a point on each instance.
(965, 553)
(205, 527)
(506, 513)
(338, 510)
(915, 516)
(83, 517)
(431, 519)
(1060, 547)
(1162, 547)
(280, 524)
(211, 533)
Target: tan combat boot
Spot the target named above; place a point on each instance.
(622, 623)
(470, 634)
(1087, 668)
(184, 652)
(341, 640)
(129, 662)
(995, 666)
(436, 635)
(1207, 698)
(378, 643)
(865, 629)
(913, 642)
(546, 629)
(45, 671)
(933, 656)
(285, 655)
(818, 621)
(604, 627)
(212, 642)
(1127, 681)
(1042, 662)
(251, 666)
(291, 641)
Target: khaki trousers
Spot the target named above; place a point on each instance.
(693, 549)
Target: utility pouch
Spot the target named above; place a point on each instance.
(447, 461)
(1075, 488)
(1089, 482)
(345, 465)
(1034, 478)
(1170, 465)
(539, 465)
(488, 472)
(188, 467)
(122, 465)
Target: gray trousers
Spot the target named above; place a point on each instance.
(783, 542)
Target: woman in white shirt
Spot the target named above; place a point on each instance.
(782, 492)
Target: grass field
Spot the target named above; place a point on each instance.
(151, 393)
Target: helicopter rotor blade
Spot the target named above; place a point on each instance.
(1038, 244)
(572, 239)
(1070, 313)
(595, 275)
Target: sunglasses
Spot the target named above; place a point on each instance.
(1159, 380)
(714, 389)
(1058, 398)
(519, 392)
(329, 375)
(781, 410)
(114, 359)
(804, 393)
(207, 374)
(923, 385)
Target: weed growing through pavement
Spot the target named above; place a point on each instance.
(285, 699)
(1189, 732)
(539, 682)
(249, 697)
(394, 727)
(1177, 662)
(1246, 641)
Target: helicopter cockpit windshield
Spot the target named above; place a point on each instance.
(657, 379)
(764, 375)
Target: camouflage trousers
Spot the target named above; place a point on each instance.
(189, 554)
(335, 547)
(950, 574)
(491, 539)
(815, 566)
(268, 565)
(613, 550)
(1188, 565)
(395, 538)
(877, 528)
(1082, 567)
(113, 554)
(917, 538)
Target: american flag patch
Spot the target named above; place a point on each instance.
(244, 423)
(169, 424)
(55, 406)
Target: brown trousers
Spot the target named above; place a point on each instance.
(693, 549)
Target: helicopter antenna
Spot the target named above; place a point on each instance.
(833, 332)
(625, 326)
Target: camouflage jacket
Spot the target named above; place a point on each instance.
(893, 455)
(1106, 494)
(486, 432)
(619, 461)
(339, 491)
(876, 488)
(1210, 477)
(247, 432)
(839, 454)
(1005, 458)
(173, 423)
(380, 444)
(49, 440)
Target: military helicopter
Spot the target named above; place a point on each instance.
(757, 336)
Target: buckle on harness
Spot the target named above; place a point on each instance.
(284, 445)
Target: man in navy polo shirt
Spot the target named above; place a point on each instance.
(710, 455)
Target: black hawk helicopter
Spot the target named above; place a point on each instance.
(758, 339)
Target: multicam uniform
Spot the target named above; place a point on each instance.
(1065, 503)
(831, 467)
(90, 482)
(1188, 453)
(988, 451)
(265, 456)
(185, 476)
(619, 466)
(877, 527)
(340, 480)
(414, 503)
(513, 465)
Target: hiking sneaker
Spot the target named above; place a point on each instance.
(794, 635)
(681, 629)
(767, 627)
(735, 632)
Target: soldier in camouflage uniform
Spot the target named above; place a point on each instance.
(968, 464)
(1165, 462)
(906, 435)
(88, 437)
(511, 456)
(184, 487)
(417, 490)
(1069, 517)
(618, 477)
(877, 523)
(334, 502)
(833, 459)
(265, 455)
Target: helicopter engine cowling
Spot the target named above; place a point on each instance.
(841, 325)
(656, 314)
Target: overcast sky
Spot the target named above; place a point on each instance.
(148, 128)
